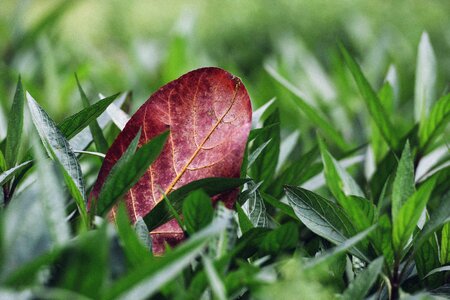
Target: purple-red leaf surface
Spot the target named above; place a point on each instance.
(208, 113)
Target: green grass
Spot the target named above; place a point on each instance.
(344, 188)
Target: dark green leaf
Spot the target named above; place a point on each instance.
(244, 222)
(286, 209)
(197, 211)
(128, 170)
(282, 238)
(15, 127)
(383, 240)
(322, 217)
(376, 110)
(160, 214)
(427, 259)
(359, 287)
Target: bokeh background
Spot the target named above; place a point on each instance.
(138, 46)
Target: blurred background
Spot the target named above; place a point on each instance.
(116, 46)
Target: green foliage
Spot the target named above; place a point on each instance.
(360, 212)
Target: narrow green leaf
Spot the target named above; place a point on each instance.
(197, 211)
(256, 153)
(409, 214)
(100, 142)
(431, 126)
(3, 166)
(376, 110)
(425, 78)
(322, 217)
(160, 214)
(314, 116)
(403, 186)
(8, 174)
(128, 170)
(382, 240)
(264, 166)
(441, 269)
(58, 149)
(144, 281)
(361, 285)
(15, 127)
(77, 122)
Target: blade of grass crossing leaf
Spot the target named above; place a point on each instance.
(311, 113)
(376, 110)
(197, 211)
(127, 173)
(286, 209)
(425, 78)
(409, 214)
(15, 127)
(361, 285)
(77, 122)
(403, 186)
(100, 142)
(244, 222)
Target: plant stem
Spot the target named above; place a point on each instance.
(395, 281)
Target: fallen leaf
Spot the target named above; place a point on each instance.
(208, 113)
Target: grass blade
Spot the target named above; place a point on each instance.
(8, 174)
(373, 103)
(359, 287)
(15, 127)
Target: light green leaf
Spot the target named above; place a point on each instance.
(3, 166)
(403, 186)
(409, 214)
(322, 217)
(373, 103)
(77, 122)
(359, 287)
(128, 170)
(382, 240)
(15, 127)
(314, 116)
(58, 149)
(440, 269)
(144, 281)
(255, 154)
(425, 78)
(431, 126)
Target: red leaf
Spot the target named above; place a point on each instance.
(208, 112)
